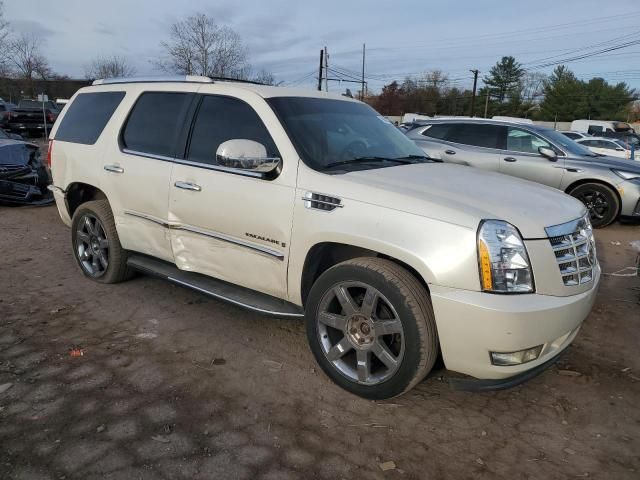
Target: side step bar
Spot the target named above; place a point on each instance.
(240, 296)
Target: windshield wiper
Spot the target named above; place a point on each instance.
(414, 157)
(404, 160)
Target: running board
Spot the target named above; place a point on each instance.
(240, 296)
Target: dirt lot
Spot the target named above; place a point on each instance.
(176, 385)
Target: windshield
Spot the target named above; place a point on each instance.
(567, 144)
(329, 132)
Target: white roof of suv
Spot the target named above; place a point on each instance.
(265, 91)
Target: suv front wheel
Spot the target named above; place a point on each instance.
(96, 246)
(371, 327)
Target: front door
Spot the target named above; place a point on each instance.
(522, 158)
(230, 224)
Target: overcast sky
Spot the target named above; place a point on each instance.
(402, 37)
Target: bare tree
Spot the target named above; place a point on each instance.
(199, 46)
(4, 42)
(109, 67)
(265, 77)
(27, 59)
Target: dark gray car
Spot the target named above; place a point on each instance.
(609, 187)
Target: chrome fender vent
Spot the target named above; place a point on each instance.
(318, 201)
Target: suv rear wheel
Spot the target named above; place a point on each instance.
(371, 327)
(96, 245)
(601, 201)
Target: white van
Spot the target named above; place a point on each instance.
(598, 127)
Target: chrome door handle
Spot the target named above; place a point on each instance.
(188, 186)
(510, 159)
(114, 169)
(450, 152)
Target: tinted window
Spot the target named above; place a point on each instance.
(572, 136)
(524, 141)
(487, 136)
(87, 116)
(153, 124)
(439, 130)
(224, 118)
(594, 129)
(589, 143)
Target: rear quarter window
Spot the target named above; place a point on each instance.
(87, 116)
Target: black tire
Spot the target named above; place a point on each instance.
(412, 307)
(84, 241)
(601, 201)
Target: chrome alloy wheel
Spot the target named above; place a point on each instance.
(92, 246)
(360, 333)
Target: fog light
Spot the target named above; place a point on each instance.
(515, 358)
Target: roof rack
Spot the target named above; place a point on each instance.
(154, 79)
(171, 78)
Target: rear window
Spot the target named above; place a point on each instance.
(87, 116)
(478, 135)
(439, 130)
(152, 126)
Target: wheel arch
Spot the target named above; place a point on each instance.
(325, 255)
(78, 193)
(584, 181)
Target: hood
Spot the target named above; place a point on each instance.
(461, 195)
(610, 162)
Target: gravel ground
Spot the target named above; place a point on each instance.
(172, 384)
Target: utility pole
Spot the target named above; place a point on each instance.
(326, 70)
(473, 96)
(362, 92)
(486, 104)
(321, 69)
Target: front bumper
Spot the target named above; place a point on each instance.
(472, 324)
(630, 197)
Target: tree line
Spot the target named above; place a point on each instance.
(511, 90)
(195, 45)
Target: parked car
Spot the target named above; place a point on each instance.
(609, 187)
(598, 127)
(32, 117)
(24, 178)
(607, 146)
(5, 110)
(305, 204)
(574, 135)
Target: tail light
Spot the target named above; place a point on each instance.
(49, 152)
(50, 118)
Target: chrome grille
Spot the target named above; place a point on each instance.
(575, 250)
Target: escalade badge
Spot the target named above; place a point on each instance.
(266, 239)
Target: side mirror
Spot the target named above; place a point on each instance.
(549, 153)
(243, 154)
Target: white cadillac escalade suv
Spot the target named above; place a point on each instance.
(303, 204)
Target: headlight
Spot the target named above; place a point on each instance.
(626, 175)
(502, 258)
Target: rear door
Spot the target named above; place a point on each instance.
(136, 169)
(521, 158)
(474, 144)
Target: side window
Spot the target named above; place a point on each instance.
(572, 136)
(589, 143)
(524, 141)
(438, 130)
(225, 118)
(594, 129)
(479, 135)
(87, 116)
(153, 123)
(608, 145)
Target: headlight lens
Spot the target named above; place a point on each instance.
(626, 175)
(502, 258)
